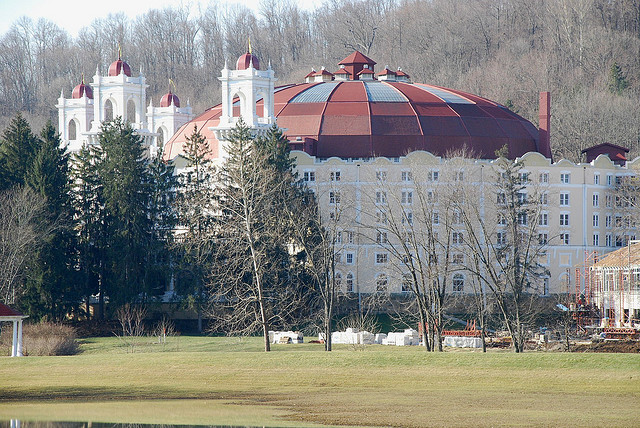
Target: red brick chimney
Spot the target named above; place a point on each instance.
(544, 141)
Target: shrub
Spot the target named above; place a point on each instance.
(45, 339)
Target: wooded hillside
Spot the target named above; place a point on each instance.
(586, 52)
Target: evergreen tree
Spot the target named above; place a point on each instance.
(125, 180)
(617, 79)
(256, 266)
(18, 149)
(51, 289)
(87, 196)
(195, 208)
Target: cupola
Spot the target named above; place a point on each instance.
(82, 90)
(168, 99)
(247, 59)
(119, 66)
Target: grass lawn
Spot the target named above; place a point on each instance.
(201, 380)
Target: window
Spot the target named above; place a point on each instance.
(457, 238)
(382, 258)
(72, 130)
(595, 200)
(564, 238)
(334, 216)
(337, 257)
(382, 283)
(381, 197)
(524, 177)
(608, 201)
(596, 179)
(458, 283)
(564, 219)
(433, 175)
(430, 196)
(596, 240)
(406, 176)
(457, 217)
(545, 287)
(335, 175)
(564, 199)
(565, 178)
(458, 259)
(458, 176)
(348, 258)
(609, 179)
(501, 198)
(596, 220)
(543, 220)
(108, 110)
(338, 239)
(543, 238)
(607, 221)
(349, 236)
(309, 176)
(407, 218)
(435, 217)
(350, 288)
(334, 197)
(381, 217)
(522, 197)
(381, 238)
(502, 219)
(338, 280)
(522, 219)
(381, 175)
(406, 283)
(544, 177)
(608, 240)
(544, 198)
(501, 238)
(407, 197)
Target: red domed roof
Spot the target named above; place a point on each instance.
(352, 119)
(81, 90)
(245, 60)
(119, 66)
(169, 98)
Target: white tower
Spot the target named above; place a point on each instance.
(168, 118)
(249, 84)
(74, 116)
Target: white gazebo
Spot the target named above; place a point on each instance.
(8, 314)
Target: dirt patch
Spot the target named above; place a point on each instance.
(616, 346)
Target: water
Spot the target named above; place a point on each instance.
(16, 423)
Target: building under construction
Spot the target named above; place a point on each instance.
(607, 292)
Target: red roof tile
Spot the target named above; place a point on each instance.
(6, 311)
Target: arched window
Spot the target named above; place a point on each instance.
(73, 130)
(131, 111)
(382, 283)
(406, 283)
(160, 137)
(338, 280)
(108, 110)
(350, 288)
(458, 283)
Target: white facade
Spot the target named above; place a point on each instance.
(80, 119)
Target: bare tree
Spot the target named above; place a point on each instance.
(20, 234)
(504, 244)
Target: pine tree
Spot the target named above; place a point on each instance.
(617, 79)
(195, 209)
(51, 288)
(125, 183)
(18, 149)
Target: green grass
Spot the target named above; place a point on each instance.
(217, 380)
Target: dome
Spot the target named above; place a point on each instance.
(168, 98)
(119, 66)
(81, 90)
(360, 119)
(245, 60)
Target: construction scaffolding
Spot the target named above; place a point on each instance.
(581, 304)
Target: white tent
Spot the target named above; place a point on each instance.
(8, 314)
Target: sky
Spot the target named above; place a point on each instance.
(71, 15)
